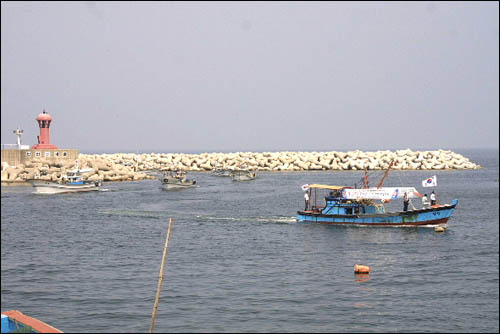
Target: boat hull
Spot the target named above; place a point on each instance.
(49, 187)
(242, 176)
(15, 321)
(174, 183)
(221, 173)
(432, 216)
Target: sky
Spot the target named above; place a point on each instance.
(196, 77)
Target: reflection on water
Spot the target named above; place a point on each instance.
(361, 277)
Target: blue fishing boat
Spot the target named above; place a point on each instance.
(366, 207)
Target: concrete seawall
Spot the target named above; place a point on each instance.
(132, 167)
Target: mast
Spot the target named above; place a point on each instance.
(366, 178)
(379, 185)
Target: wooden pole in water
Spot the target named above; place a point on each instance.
(160, 279)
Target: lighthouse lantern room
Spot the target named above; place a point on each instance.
(44, 121)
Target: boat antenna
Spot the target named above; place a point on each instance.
(379, 185)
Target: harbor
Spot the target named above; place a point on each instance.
(46, 162)
(237, 167)
(228, 214)
(239, 261)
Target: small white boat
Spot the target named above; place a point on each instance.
(243, 175)
(220, 170)
(176, 180)
(71, 182)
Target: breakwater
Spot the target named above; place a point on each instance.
(133, 167)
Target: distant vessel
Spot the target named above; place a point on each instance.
(221, 171)
(242, 173)
(176, 179)
(71, 182)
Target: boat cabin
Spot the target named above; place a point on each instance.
(327, 199)
(74, 178)
(341, 206)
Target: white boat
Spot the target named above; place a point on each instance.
(221, 172)
(71, 182)
(176, 180)
(243, 175)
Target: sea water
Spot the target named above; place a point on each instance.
(239, 262)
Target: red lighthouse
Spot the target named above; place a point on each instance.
(44, 120)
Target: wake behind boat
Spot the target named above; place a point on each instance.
(73, 181)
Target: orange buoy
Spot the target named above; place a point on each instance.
(361, 269)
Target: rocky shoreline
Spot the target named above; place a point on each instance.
(133, 167)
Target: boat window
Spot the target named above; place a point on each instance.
(28, 154)
(348, 211)
(47, 154)
(356, 210)
(56, 154)
(65, 154)
(38, 154)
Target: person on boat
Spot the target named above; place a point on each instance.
(180, 174)
(406, 200)
(433, 198)
(425, 201)
(306, 198)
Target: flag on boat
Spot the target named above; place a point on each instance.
(430, 182)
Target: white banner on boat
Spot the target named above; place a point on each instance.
(380, 193)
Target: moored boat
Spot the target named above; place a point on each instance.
(243, 175)
(347, 206)
(220, 170)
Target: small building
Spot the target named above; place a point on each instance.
(15, 157)
(15, 154)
